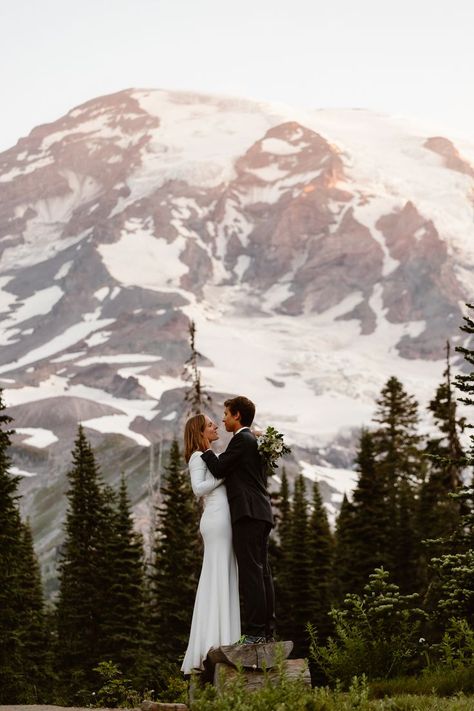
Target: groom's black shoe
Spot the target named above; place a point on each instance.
(251, 639)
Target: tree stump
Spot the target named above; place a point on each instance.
(157, 706)
(256, 662)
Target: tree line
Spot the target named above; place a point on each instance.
(400, 559)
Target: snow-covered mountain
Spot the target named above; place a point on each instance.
(318, 252)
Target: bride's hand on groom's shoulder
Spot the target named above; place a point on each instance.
(256, 433)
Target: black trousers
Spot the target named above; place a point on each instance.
(250, 540)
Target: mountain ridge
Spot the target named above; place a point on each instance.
(317, 252)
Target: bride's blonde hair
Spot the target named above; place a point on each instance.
(193, 435)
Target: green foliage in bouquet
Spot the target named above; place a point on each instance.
(271, 447)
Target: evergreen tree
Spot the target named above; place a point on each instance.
(35, 639)
(177, 563)
(321, 553)
(11, 657)
(400, 463)
(281, 561)
(438, 511)
(370, 520)
(196, 398)
(456, 566)
(24, 671)
(446, 451)
(84, 575)
(300, 569)
(344, 550)
(124, 624)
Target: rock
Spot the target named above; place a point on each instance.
(157, 706)
(255, 679)
(250, 656)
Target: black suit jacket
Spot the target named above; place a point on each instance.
(242, 467)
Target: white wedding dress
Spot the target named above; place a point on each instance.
(216, 616)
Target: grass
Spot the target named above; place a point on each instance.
(442, 690)
(441, 682)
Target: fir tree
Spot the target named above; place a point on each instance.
(455, 586)
(321, 552)
(84, 575)
(370, 518)
(300, 569)
(177, 562)
(24, 660)
(399, 462)
(396, 438)
(11, 657)
(34, 634)
(124, 624)
(344, 550)
(438, 511)
(196, 398)
(446, 451)
(281, 561)
(456, 566)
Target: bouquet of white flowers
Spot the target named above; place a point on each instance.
(271, 447)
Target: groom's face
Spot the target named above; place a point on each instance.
(231, 422)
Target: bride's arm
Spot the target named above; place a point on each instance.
(201, 486)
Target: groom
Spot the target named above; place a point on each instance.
(251, 515)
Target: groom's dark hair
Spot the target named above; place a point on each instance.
(244, 406)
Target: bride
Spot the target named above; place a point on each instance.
(216, 615)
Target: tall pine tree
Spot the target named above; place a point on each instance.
(300, 569)
(123, 629)
(11, 656)
(176, 564)
(438, 511)
(281, 561)
(195, 397)
(456, 566)
(24, 670)
(35, 636)
(344, 550)
(84, 576)
(321, 551)
(370, 526)
(399, 461)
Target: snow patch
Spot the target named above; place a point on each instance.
(21, 472)
(240, 268)
(71, 335)
(270, 173)
(68, 356)
(117, 424)
(140, 258)
(37, 436)
(63, 270)
(122, 358)
(100, 294)
(279, 147)
(172, 416)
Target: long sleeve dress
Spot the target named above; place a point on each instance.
(216, 615)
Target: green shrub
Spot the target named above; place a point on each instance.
(376, 633)
(457, 646)
(115, 690)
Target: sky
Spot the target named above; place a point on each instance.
(412, 58)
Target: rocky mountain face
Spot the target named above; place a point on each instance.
(317, 252)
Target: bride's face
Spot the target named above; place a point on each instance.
(210, 430)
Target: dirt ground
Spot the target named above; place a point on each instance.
(48, 708)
